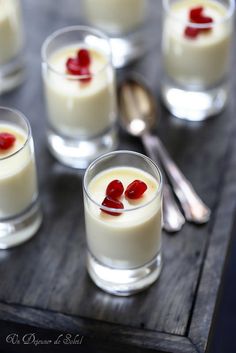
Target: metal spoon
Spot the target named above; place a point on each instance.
(138, 117)
(173, 219)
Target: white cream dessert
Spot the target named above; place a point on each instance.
(132, 238)
(80, 107)
(115, 16)
(197, 58)
(10, 30)
(18, 185)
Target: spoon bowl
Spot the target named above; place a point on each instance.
(138, 107)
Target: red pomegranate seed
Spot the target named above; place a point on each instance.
(111, 203)
(6, 140)
(83, 58)
(191, 32)
(84, 71)
(72, 66)
(80, 65)
(204, 19)
(196, 16)
(195, 13)
(135, 190)
(115, 189)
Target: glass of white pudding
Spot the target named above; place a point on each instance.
(124, 21)
(197, 38)
(80, 93)
(123, 218)
(20, 215)
(11, 45)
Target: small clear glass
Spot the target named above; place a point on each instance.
(124, 251)
(20, 214)
(126, 24)
(11, 45)
(196, 69)
(82, 115)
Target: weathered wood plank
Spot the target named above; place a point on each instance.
(214, 263)
(97, 330)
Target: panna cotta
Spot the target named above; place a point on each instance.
(115, 16)
(18, 184)
(81, 100)
(196, 56)
(10, 30)
(129, 235)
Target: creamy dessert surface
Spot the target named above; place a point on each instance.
(213, 9)
(20, 136)
(57, 62)
(75, 107)
(126, 175)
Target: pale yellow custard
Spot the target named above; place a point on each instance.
(77, 108)
(115, 16)
(132, 238)
(18, 185)
(199, 61)
(10, 30)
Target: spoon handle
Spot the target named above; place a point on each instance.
(173, 219)
(194, 208)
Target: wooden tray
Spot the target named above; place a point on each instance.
(44, 282)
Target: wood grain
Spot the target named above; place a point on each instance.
(44, 282)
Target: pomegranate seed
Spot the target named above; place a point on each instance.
(112, 203)
(84, 71)
(195, 13)
(83, 58)
(6, 140)
(135, 190)
(204, 19)
(196, 16)
(80, 65)
(72, 66)
(191, 32)
(115, 189)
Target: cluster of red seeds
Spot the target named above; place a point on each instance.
(115, 189)
(196, 15)
(6, 140)
(80, 65)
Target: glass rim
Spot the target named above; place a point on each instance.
(230, 13)
(63, 30)
(123, 210)
(28, 136)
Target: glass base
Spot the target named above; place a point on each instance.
(123, 282)
(80, 153)
(12, 74)
(194, 105)
(17, 230)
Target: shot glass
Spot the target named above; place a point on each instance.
(123, 222)
(11, 45)
(81, 100)
(20, 214)
(196, 46)
(126, 24)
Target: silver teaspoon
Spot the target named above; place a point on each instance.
(138, 117)
(173, 219)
